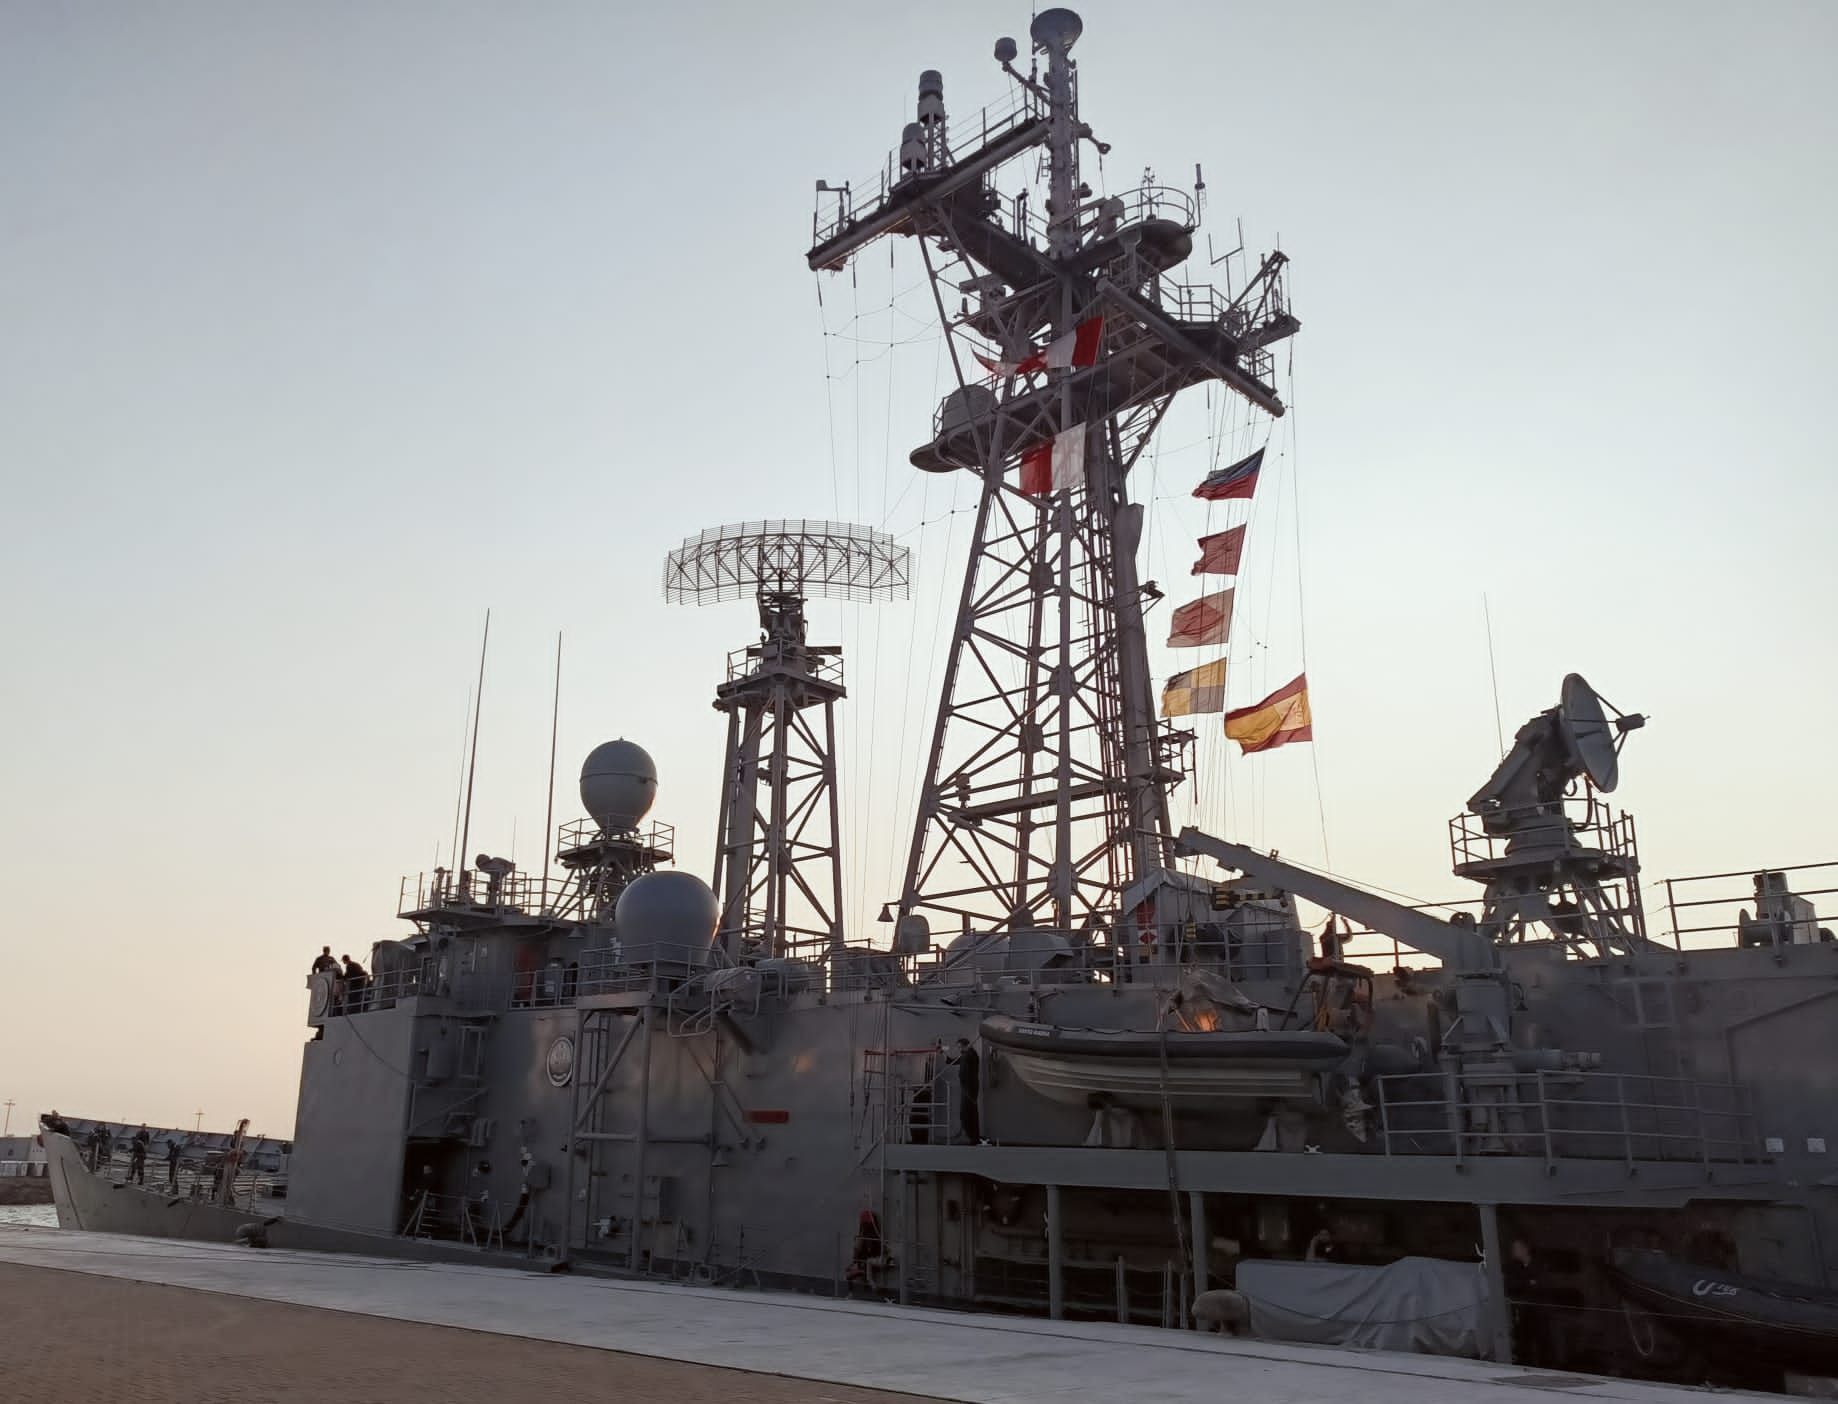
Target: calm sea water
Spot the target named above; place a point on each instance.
(40, 1215)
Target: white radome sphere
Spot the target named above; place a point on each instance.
(618, 784)
(666, 915)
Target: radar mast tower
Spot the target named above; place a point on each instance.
(1047, 781)
(778, 843)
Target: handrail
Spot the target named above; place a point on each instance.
(1569, 1115)
(1794, 920)
(858, 199)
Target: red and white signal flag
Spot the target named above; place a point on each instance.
(1055, 466)
(1077, 348)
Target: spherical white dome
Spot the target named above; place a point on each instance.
(666, 915)
(618, 784)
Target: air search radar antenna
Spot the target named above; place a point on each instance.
(1557, 864)
(778, 861)
(1055, 31)
(1595, 741)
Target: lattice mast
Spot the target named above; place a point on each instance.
(1047, 780)
(778, 843)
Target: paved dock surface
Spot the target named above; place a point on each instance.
(818, 1349)
(75, 1336)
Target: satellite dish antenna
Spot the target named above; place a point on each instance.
(1056, 30)
(1594, 739)
(1006, 50)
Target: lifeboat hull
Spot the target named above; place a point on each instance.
(1195, 1071)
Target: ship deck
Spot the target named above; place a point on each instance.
(931, 1354)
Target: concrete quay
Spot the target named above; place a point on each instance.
(805, 1348)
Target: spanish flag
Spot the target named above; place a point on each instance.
(1280, 718)
(1197, 690)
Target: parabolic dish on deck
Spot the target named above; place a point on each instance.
(826, 560)
(1594, 739)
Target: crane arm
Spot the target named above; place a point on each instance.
(1456, 944)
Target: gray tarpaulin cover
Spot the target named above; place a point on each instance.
(1415, 1304)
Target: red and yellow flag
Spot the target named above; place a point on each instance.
(1280, 718)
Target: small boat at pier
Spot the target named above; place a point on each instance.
(1789, 1323)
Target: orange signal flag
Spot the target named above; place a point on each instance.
(1280, 718)
(1207, 620)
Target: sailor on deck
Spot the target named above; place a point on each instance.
(970, 1090)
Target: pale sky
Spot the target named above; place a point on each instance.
(325, 327)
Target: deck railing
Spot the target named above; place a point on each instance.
(199, 1180)
(1567, 1115)
(1706, 909)
(839, 208)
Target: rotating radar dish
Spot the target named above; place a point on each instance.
(1056, 29)
(1594, 738)
(823, 560)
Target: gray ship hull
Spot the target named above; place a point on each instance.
(95, 1203)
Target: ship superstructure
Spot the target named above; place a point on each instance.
(1103, 1068)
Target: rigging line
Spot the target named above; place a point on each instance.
(870, 795)
(924, 322)
(829, 397)
(1295, 514)
(851, 737)
(904, 798)
(934, 686)
(893, 340)
(921, 525)
(887, 516)
(1493, 675)
(855, 292)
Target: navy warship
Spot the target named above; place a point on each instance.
(1089, 1065)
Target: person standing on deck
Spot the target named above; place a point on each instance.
(137, 1155)
(526, 1160)
(970, 1091)
(172, 1164)
(356, 977)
